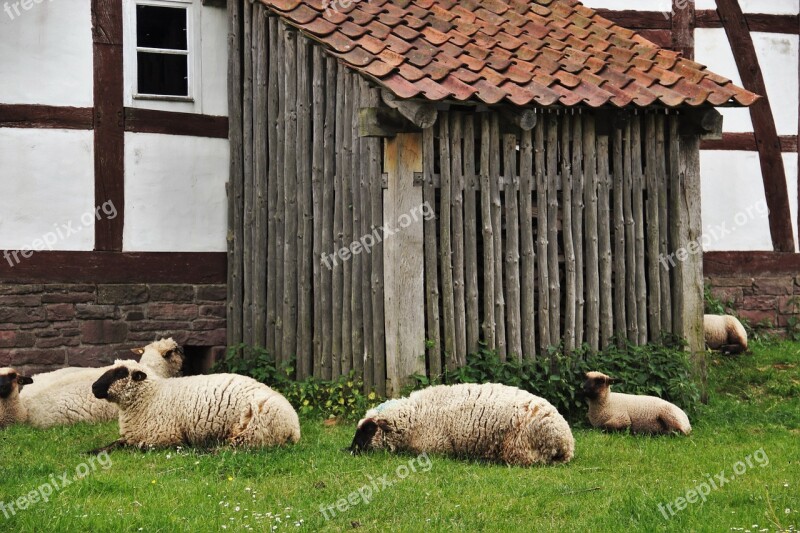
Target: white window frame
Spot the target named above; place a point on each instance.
(192, 52)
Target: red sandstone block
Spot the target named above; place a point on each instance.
(94, 311)
(94, 355)
(68, 297)
(103, 332)
(757, 317)
(172, 293)
(60, 312)
(208, 324)
(21, 315)
(122, 294)
(214, 337)
(788, 305)
(157, 325)
(55, 342)
(16, 339)
(36, 356)
(728, 294)
(12, 288)
(760, 303)
(777, 286)
(214, 293)
(730, 281)
(21, 300)
(171, 311)
(216, 311)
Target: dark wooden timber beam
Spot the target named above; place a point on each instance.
(171, 123)
(421, 114)
(766, 134)
(45, 116)
(746, 142)
(705, 18)
(683, 25)
(750, 263)
(383, 122)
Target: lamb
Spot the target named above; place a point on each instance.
(642, 414)
(491, 421)
(197, 410)
(725, 333)
(64, 396)
(11, 408)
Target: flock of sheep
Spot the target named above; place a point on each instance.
(156, 407)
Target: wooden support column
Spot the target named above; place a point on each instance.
(403, 263)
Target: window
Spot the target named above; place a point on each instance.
(162, 51)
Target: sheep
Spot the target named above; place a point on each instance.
(11, 408)
(642, 414)
(725, 333)
(65, 397)
(491, 421)
(196, 410)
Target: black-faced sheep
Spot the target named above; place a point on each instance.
(196, 410)
(642, 414)
(491, 421)
(725, 333)
(11, 409)
(65, 396)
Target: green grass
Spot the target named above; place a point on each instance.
(615, 482)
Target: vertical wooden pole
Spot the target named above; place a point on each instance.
(260, 175)
(347, 220)
(620, 282)
(489, 335)
(540, 172)
(570, 303)
(592, 255)
(554, 312)
(638, 225)
(577, 224)
(470, 236)
(457, 219)
(328, 221)
(526, 236)
(305, 215)
(512, 247)
(249, 186)
(604, 241)
(630, 238)
(337, 275)
(290, 209)
(431, 256)
(497, 235)
(677, 226)
(377, 267)
(445, 250)
(357, 272)
(403, 262)
(272, 179)
(653, 226)
(662, 182)
(280, 193)
(317, 186)
(367, 100)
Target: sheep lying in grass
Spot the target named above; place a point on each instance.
(725, 333)
(493, 422)
(11, 408)
(642, 414)
(65, 396)
(196, 410)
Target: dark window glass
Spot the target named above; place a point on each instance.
(161, 27)
(163, 74)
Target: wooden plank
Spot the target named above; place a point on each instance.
(321, 298)
(746, 142)
(662, 182)
(760, 22)
(637, 190)
(677, 225)
(272, 179)
(631, 311)
(750, 264)
(637, 19)
(45, 116)
(337, 276)
(652, 184)
(234, 189)
(173, 123)
(290, 204)
(554, 312)
(591, 264)
(403, 262)
(604, 241)
(260, 175)
(356, 273)
(512, 289)
(683, 25)
(445, 245)
(280, 203)
(471, 237)
(347, 221)
(497, 235)
(540, 172)
(377, 266)
(457, 240)
(248, 217)
(772, 168)
(19, 266)
(528, 283)
(368, 238)
(620, 318)
(305, 215)
(489, 332)
(109, 127)
(431, 257)
(570, 274)
(577, 224)
(325, 299)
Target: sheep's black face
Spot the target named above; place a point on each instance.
(101, 387)
(9, 381)
(595, 384)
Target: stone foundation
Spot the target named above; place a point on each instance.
(763, 300)
(47, 326)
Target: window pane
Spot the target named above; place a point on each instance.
(163, 74)
(161, 27)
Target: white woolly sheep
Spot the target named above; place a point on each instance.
(11, 409)
(491, 421)
(725, 333)
(196, 410)
(65, 396)
(642, 414)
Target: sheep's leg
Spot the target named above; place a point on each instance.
(119, 443)
(732, 349)
(670, 424)
(618, 422)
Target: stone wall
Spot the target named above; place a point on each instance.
(768, 300)
(46, 326)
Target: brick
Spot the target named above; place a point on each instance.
(35, 356)
(157, 325)
(728, 294)
(216, 311)
(34, 325)
(21, 315)
(758, 317)
(759, 303)
(133, 316)
(776, 286)
(209, 324)
(214, 293)
(95, 355)
(172, 293)
(733, 281)
(12, 288)
(60, 312)
(69, 287)
(144, 337)
(788, 305)
(122, 294)
(17, 339)
(103, 331)
(68, 297)
(214, 337)
(21, 300)
(55, 342)
(93, 311)
(47, 333)
(170, 311)
(70, 332)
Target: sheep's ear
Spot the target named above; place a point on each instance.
(611, 380)
(137, 351)
(139, 376)
(366, 430)
(24, 380)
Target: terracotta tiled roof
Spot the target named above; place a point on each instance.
(540, 52)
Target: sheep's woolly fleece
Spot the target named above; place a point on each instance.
(642, 414)
(65, 396)
(196, 410)
(491, 421)
(11, 408)
(724, 333)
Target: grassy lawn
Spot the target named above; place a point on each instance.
(616, 481)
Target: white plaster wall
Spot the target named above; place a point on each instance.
(733, 198)
(208, 64)
(640, 5)
(772, 7)
(175, 197)
(46, 53)
(50, 187)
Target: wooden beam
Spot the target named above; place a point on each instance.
(45, 116)
(109, 120)
(421, 114)
(112, 267)
(683, 25)
(637, 20)
(705, 18)
(704, 122)
(769, 148)
(524, 119)
(383, 122)
(746, 142)
(171, 123)
(750, 264)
